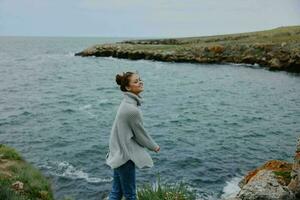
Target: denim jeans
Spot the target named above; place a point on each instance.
(124, 182)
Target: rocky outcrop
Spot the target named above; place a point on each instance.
(275, 180)
(277, 58)
(265, 185)
(281, 169)
(276, 51)
(153, 41)
(294, 185)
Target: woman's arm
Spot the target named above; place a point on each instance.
(140, 134)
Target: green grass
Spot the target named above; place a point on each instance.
(289, 35)
(165, 191)
(8, 193)
(13, 168)
(286, 175)
(9, 153)
(274, 35)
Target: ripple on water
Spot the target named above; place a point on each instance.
(64, 102)
(105, 88)
(160, 124)
(205, 179)
(105, 102)
(186, 162)
(186, 140)
(26, 113)
(68, 110)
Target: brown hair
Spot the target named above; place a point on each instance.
(123, 80)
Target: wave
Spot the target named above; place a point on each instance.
(68, 110)
(66, 170)
(104, 101)
(110, 58)
(231, 188)
(255, 65)
(69, 54)
(88, 109)
(87, 106)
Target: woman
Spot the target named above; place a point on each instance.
(128, 139)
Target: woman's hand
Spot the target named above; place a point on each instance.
(157, 149)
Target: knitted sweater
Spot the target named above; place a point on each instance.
(128, 138)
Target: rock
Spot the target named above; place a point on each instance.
(294, 185)
(281, 168)
(283, 44)
(232, 198)
(249, 59)
(18, 185)
(153, 42)
(264, 186)
(275, 180)
(275, 63)
(216, 49)
(298, 142)
(263, 47)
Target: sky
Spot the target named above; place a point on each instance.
(143, 18)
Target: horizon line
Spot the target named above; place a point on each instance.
(187, 36)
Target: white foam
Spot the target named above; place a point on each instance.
(65, 169)
(231, 188)
(103, 101)
(69, 54)
(110, 58)
(86, 109)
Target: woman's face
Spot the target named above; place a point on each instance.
(136, 85)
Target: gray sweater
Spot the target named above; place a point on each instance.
(128, 138)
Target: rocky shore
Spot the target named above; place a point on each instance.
(276, 49)
(275, 180)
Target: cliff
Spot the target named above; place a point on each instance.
(276, 49)
(19, 179)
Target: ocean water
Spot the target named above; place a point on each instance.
(213, 122)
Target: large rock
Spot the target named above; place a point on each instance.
(275, 180)
(281, 168)
(275, 63)
(265, 186)
(294, 185)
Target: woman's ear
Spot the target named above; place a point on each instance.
(128, 89)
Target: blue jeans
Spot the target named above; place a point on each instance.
(124, 182)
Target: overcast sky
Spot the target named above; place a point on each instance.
(144, 18)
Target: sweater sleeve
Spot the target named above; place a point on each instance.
(140, 134)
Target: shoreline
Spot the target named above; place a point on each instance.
(277, 49)
(275, 179)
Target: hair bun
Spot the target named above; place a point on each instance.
(123, 80)
(119, 79)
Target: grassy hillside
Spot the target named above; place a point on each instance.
(277, 35)
(19, 180)
(276, 49)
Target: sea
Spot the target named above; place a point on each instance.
(213, 122)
